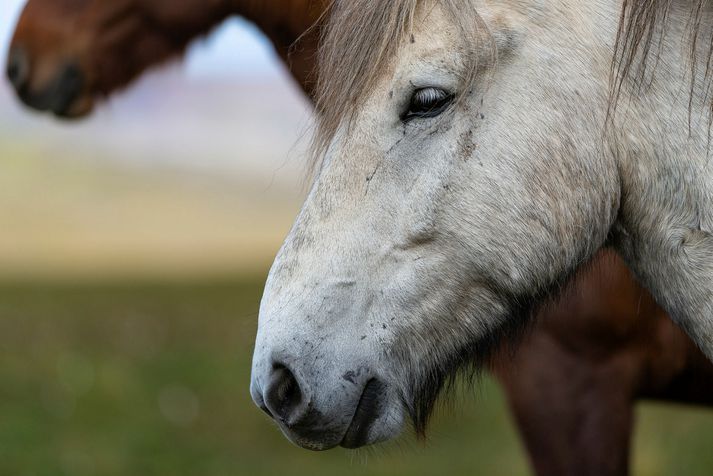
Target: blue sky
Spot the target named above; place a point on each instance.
(235, 49)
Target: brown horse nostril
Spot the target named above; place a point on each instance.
(66, 89)
(58, 95)
(18, 68)
(284, 398)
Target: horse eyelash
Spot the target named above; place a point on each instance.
(444, 100)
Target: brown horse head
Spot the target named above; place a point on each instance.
(66, 53)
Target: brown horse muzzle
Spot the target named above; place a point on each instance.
(59, 95)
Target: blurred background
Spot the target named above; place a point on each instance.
(133, 249)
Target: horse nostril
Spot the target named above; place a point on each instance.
(284, 398)
(67, 88)
(18, 68)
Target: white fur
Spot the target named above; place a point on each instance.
(425, 236)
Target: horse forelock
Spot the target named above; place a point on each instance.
(358, 40)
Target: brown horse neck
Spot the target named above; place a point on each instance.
(288, 24)
(283, 20)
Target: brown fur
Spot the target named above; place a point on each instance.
(113, 42)
(573, 382)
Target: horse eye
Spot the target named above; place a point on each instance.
(427, 103)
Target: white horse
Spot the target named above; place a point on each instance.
(471, 156)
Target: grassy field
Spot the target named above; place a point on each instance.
(150, 379)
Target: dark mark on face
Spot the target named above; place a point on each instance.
(350, 377)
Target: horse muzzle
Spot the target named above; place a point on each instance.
(319, 406)
(61, 92)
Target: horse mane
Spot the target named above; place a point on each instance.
(641, 24)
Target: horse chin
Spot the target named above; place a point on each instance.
(375, 420)
(77, 108)
(375, 417)
(369, 426)
(378, 433)
(359, 433)
(80, 108)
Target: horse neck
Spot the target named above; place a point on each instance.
(663, 130)
(288, 24)
(664, 146)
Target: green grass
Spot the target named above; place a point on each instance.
(142, 380)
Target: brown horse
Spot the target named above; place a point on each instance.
(67, 53)
(571, 384)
